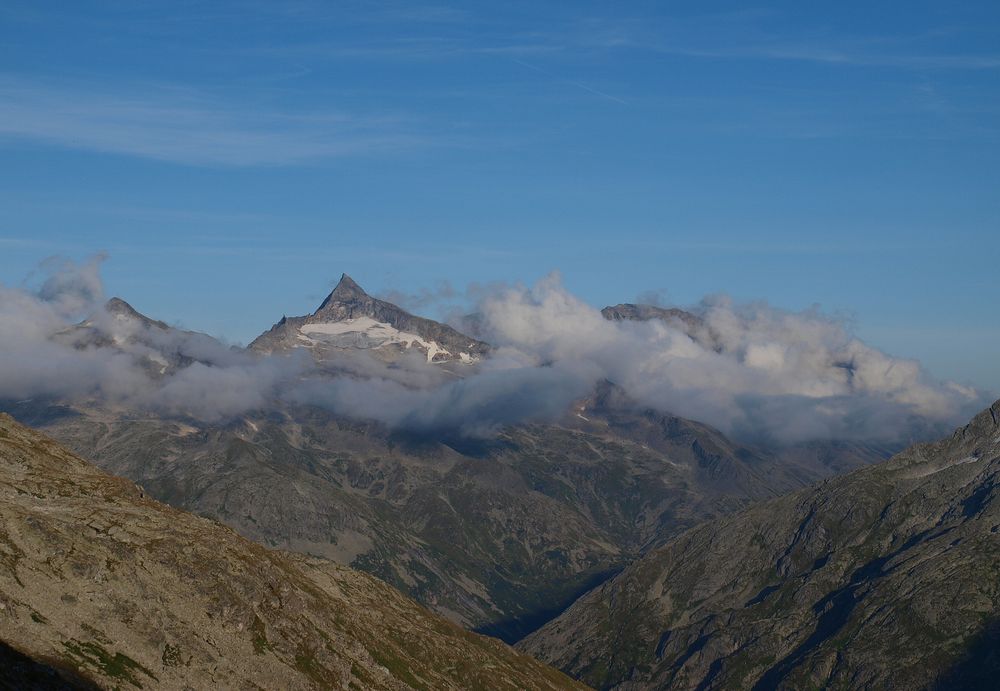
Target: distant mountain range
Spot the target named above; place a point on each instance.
(627, 546)
(496, 534)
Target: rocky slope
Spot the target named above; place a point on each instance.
(101, 585)
(888, 577)
(500, 534)
(349, 318)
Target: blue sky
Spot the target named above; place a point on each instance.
(232, 159)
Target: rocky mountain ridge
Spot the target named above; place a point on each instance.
(628, 311)
(161, 349)
(882, 578)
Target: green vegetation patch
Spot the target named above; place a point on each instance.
(260, 642)
(398, 667)
(116, 666)
(305, 662)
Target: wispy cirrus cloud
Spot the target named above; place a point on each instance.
(835, 55)
(191, 127)
(758, 35)
(745, 35)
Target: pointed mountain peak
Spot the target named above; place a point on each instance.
(119, 308)
(347, 290)
(349, 302)
(347, 283)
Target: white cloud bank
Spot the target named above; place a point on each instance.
(751, 370)
(121, 362)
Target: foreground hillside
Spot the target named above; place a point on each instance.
(500, 534)
(105, 586)
(885, 578)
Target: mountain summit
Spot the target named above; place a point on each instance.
(120, 309)
(158, 347)
(349, 301)
(628, 311)
(688, 322)
(347, 289)
(351, 319)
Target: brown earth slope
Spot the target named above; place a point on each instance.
(102, 585)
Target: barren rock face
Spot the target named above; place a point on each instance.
(350, 318)
(888, 577)
(102, 585)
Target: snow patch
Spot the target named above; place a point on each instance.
(365, 332)
(159, 360)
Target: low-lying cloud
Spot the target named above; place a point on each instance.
(47, 352)
(752, 370)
